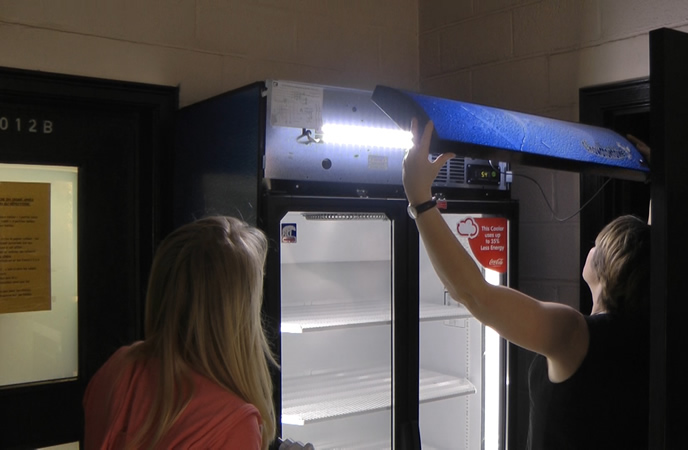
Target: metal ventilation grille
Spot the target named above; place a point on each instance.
(344, 216)
(452, 173)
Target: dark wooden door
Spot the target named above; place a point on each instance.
(114, 134)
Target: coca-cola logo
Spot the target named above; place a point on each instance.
(498, 262)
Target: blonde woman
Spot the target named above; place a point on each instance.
(589, 383)
(200, 379)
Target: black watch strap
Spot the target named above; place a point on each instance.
(415, 211)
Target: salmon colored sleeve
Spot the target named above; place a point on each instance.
(101, 402)
(241, 433)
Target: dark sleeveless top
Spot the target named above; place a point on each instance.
(604, 405)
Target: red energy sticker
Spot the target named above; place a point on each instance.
(487, 237)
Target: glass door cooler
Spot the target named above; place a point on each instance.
(463, 364)
(335, 279)
(373, 354)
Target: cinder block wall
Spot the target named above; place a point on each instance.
(533, 56)
(210, 46)
(527, 55)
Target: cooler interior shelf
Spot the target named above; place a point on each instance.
(334, 394)
(356, 445)
(304, 318)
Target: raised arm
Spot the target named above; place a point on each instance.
(551, 329)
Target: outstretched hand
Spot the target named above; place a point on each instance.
(642, 147)
(418, 172)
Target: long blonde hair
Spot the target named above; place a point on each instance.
(203, 314)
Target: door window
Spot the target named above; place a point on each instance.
(38, 342)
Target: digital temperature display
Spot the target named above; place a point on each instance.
(482, 174)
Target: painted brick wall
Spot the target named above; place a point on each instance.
(210, 46)
(533, 56)
(527, 55)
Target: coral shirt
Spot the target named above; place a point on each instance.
(214, 418)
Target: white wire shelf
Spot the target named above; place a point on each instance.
(305, 318)
(373, 444)
(435, 311)
(328, 395)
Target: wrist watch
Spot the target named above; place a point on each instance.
(415, 211)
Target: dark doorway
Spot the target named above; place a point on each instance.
(114, 135)
(625, 108)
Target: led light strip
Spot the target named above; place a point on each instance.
(367, 136)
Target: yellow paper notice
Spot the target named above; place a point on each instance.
(24, 247)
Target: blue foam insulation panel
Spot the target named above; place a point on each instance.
(485, 132)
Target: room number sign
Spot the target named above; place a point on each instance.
(23, 125)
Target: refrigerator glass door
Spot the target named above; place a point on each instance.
(336, 302)
(461, 361)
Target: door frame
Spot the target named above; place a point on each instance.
(56, 415)
(625, 108)
(668, 309)
(668, 96)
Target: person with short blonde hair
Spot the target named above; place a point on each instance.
(621, 260)
(589, 382)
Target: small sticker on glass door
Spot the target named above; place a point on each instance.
(288, 233)
(24, 247)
